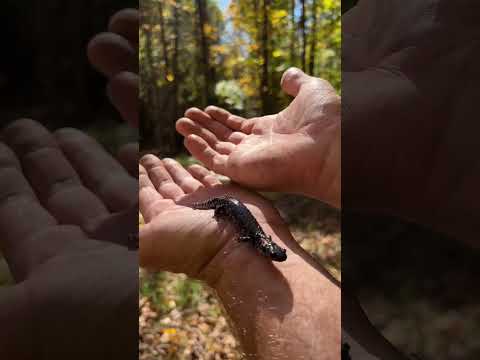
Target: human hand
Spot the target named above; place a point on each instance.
(115, 54)
(275, 306)
(410, 113)
(66, 209)
(296, 150)
(177, 237)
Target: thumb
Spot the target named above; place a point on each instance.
(293, 79)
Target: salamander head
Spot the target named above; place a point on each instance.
(273, 251)
(278, 253)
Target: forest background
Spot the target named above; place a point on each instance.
(231, 54)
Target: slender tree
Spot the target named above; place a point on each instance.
(264, 90)
(293, 37)
(303, 29)
(176, 39)
(163, 39)
(313, 35)
(204, 49)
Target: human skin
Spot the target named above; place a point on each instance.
(66, 209)
(410, 143)
(163, 257)
(270, 303)
(409, 121)
(115, 54)
(297, 150)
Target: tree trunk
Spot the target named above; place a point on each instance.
(147, 125)
(163, 39)
(176, 39)
(313, 42)
(265, 86)
(293, 34)
(204, 50)
(304, 36)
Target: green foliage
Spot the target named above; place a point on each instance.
(230, 93)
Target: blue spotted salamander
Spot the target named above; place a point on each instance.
(233, 210)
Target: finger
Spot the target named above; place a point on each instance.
(221, 131)
(21, 218)
(224, 117)
(293, 79)
(206, 177)
(160, 177)
(128, 156)
(148, 196)
(99, 171)
(125, 23)
(200, 149)
(53, 179)
(118, 228)
(123, 91)
(181, 176)
(186, 126)
(111, 54)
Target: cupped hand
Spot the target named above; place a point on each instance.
(178, 238)
(296, 150)
(66, 210)
(115, 54)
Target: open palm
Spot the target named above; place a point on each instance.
(410, 137)
(66, 209)
(296, 150)
(178, 238)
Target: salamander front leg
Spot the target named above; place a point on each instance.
(220, 213)
(243, 238)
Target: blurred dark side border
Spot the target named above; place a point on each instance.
(415, 280)
(83, 303)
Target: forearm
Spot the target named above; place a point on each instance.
(287, 310)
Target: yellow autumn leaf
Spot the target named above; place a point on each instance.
(221, 49)
(170, 331)
(208, 29)
(278, 15)
(277, 53)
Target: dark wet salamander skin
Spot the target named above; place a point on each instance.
(234, 211)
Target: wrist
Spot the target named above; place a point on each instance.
(279, 302)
